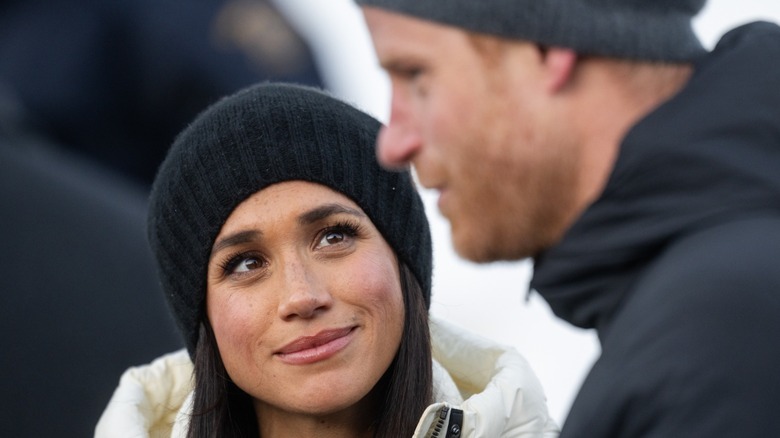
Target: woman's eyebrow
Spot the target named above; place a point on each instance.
(235, 239)
(321, 212)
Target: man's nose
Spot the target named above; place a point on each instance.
(399, 141)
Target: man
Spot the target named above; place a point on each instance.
(639, 171)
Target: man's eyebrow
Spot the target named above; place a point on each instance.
(235, 239)
(321, 212)
(393, 64)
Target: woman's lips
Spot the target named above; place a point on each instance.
(310, 349)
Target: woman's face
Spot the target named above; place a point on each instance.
(305, 301)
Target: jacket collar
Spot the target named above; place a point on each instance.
(696, 161)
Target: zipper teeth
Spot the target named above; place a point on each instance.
(437, 429)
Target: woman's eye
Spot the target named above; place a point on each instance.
(247, 264)
(338, 234)
(332, 238)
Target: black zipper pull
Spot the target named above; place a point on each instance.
(456, 424)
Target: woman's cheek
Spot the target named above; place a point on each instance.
(378, 280)
(238, 323)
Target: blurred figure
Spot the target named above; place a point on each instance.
(80, 299)
(117, 80)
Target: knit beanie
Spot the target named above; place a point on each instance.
(263, 135)
(652, 30)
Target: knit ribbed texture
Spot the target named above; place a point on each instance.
(653, 30)
(262, 135)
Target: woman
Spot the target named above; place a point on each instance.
(299, 273)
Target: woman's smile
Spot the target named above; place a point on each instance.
(310, 349)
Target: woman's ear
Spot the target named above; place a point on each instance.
(559, 66)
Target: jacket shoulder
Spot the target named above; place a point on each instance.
(691, 349)
(148, 398)
(503, 396)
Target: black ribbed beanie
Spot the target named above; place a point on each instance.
(653, 30)
(259, 136)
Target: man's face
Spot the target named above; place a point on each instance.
(474, 117)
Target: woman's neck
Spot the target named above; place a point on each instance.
(350, 423)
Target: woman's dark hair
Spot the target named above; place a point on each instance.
(221, 409)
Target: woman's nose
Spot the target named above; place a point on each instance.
(304, 295)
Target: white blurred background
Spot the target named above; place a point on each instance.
(488, 299)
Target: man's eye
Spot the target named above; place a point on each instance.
(412, 73)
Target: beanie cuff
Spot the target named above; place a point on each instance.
(661, 32)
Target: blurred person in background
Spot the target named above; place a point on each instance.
(637, 169)
(115, 81)
(80, 296)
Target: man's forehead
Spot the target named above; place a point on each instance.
(396, 34)
(379, 19)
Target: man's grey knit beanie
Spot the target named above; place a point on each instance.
(653, 30)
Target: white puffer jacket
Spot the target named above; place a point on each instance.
(503, 397)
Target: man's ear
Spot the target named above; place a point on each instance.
(559, 66)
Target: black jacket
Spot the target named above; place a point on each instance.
(677, 264)
(79, 296)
